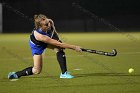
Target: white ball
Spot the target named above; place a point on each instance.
(131, 70)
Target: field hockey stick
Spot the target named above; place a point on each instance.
(113, 53)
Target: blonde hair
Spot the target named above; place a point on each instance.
(37, 19)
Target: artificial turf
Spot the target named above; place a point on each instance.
(93, 73)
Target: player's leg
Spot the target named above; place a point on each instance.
(61, 58)
(37, 64)
(36, 69)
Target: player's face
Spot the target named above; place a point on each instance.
(45, 24)
(43, 21)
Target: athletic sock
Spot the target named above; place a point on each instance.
(62, 61)
(25, 72)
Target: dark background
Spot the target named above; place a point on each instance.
(122, 14)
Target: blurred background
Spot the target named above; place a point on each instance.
(71, 15)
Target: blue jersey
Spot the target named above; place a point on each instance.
(36, 46)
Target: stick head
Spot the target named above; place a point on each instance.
(114, 51)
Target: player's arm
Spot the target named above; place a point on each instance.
(48, 40)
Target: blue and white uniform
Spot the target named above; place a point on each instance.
(36, 46)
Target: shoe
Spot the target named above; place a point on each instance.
(12, 75)
(66, 75)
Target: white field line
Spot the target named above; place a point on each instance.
(77, 69)
(69, 56)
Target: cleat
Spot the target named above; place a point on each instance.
(66, 75)
(12, 75)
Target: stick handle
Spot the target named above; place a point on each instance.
(88, 50)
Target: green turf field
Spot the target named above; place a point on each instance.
(93, 73)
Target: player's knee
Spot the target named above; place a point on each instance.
(56, 50)
(37, 70)
(59, 50)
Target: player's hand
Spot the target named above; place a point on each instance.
(78, 49)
